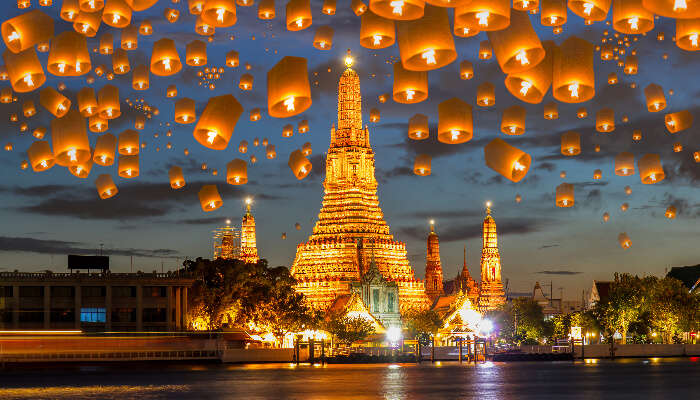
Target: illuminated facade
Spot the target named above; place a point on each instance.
(249, 249)
(433, 267)
(351, 227)
(465, 283)
(491, 293)
(226, 242)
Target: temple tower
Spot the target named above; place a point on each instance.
(249, 249)
(491, 293)
(433, 267)
(465, 283)
(226, 240)
(351, 226)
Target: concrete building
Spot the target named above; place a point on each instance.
(133, 302)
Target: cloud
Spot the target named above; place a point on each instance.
(463, 232)
(558, 272)
(547, 166)
(45, 246)
(547, 246)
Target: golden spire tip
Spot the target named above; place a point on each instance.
(349, 60)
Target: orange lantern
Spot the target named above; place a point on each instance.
(219, 13)
(573, 78)
(287, 131)
(243, 147)
(6, 95)
(466, 70)
(237, 172)
(171, 91)
(484, 15)
(680, 9)
(164, 58)
(105, 186)
(582, 112)
(140, 79)
(69, 55)
(177, 178)
(270, 152)
(39, 132)
(329, 7)
(91, 5)
(358, 7)
(671, 212)
(184, 111)
(128, 143)
(120, 62)
(403, 10)
(303, 126)
(288, 90)
(298, 15)
(97, 124)
(551, 111)
(607, 52)
(409, 86)
(69, 10)
(266, 9)
(130, 38)
(28, 108)
(513, 120)
(209, 198)
(195, 6)
(374, 115)
(418, 127)
(40, 156)
(140, 5)
(570, 143)
(455, 123)
(612, 78)
(202, 27)
(232, 59)
(597, 174)
(116, 13)
(630, 17)
(24, 31)
(553, 12)
(624, 164)
(106, 43)
(196, 53)
(56, 103)
(518, 198)
(421, 165)
(299, 164)
(486, 94)
(605, 120)
(485, 50)
(306, 149)
(69, 139)
(255, 114)
(376, 32)
(696, 156)
(565, 195)
(678, 121)
(531, 85)
(323, 39)
(631, 65)
(24, 70)
(140, 122)
(426, 43)
(146, 28)
(87, 23)
(128, 166)
(171, 14)
(517, 47)
(650, 169)
(687, 31)
(637, 135)
(217, 122)
(81, 170)
(590, 10)
(656, 100)
(108, 102)
(246, 82)
(507, 160)
(104, 150)
(624, 240)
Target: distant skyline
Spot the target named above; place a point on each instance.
(47, 215)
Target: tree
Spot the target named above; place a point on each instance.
(348, 330)
(671, 308)
(423, 325)
(520, 321)
(624, 305)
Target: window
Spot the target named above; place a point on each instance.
(6, 291)
(31, 315)
(123, 291)
(375, 300)
(93, 291)
(62, 291)
(93, 315)
(62, 314)
(435, 284)
(154, 291)
(390, 302)
(155, 315)
(123, 315)
(31, 291)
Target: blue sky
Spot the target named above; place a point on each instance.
(45, 215)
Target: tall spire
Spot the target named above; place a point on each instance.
(491, 288)
(249, 249)
(433, 266)
(349, 131)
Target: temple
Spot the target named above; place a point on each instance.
(491, 293)
(351, 232)
(226, 241)
(465, 283)
(249, 250)
(433, 267)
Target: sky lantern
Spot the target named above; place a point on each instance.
(196, 6)
(517, 47)
(246, 82)
(264, 142)
(146, 28)
(266, 9)
(91, 5)
(24, 70)
(232, 59)
(358, 7)
(637, 135)
(418, 127)
(630, 17)
(655, 98)
(140, 5)
(128, 142)
(185, 111)
(176, 177)
(108, 102)
(306, 149)
(140, 122)
(507, 160)
(553, 12)
(401, 10)
(323, 38)
(165, 60)
(140, 78)
(255, 114)
(219, 13)
(607, 51)
(484, 15)
(69, 10)
(288, 90)
(270, 152)
(409, 86)
(39, 132)
(171, 14)
(624, 164)
(612, 78)
(605, 120)
(299, 164)
(696, 156)
(466, 70)
(87, 23)
(217, 122)
(565, 195)
(485, 50)
(303, 126)
(56, 103)
(573, 76)
(421, 164)
(237, 172)
(582, 113)
(590, 10)
(106, 43)
(6, 95)
(678, 121)
(68, 55)
(130, 38)
(243, 147)
(597, 174)
(28, 108)
(116, 13)
(631, 65)
(171, 91)
(202, 27)
(671, 212)
(120, 62)
(624, 240)
(679, 9)
(650, 169)
(97, 124)
(551, 111)
(196, 53)
(570, 143)
(687, 31)
(513, 120)
(486, 94)
(526, 5)
(298, 15)
(606, 217)
(81, 170)
(426, 44)
(40, 156)
(105, 186)
(531, 85)
(376, 32)
(329, 7)
(518, 198)
(128, 166)
(455, 123)
(69, 139)
(464, 28)
(104, 150)
(26, 30)
(209, 198)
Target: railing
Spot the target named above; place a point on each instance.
(49, 275)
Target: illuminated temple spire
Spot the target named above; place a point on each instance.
(433, 267)
(249, 250)
(351, 225)
(491, 288)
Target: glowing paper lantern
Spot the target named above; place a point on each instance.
(565, 195)
(680, 9)
(202, 27)
(69, 139)
(246, 82)
(358, 7)
(6, 95)
(266, 9)
(551, 111)
(129, 39)
(171, 15)
(171, 91)
(605, 120)
(650, 169)
(26, 30)
(243, 147)
(68, 55)
(87, 23)
(485, 50)
(217, 122)
(237, 172)
(323, 39)
(105, 186)
(306, 149)
(56, 103)
(670, 212)
(531, 85)
(637, 135)
(518, 198)
(39, 132)
(630, 17)
(607, 52)
(486, 94)
(624, 164)
(303, 126)
(678, 121)
(484, 15)
(606, 217)
(104, 150)
(209, 198)
(69, 10)
(507, 160)
(403, 10)
(374, 115)
(513, 120)
(195, 6)
(40, 156)
(418, 127)
(553, 12)
(570, 143)
(582, 112)
(631, 65)
(624, 240)
(108, 102)
(696, 156)
(120, 62)
(176, 177)
(91, 5)
(573, 77)
(184, 111)
(427, 43)
(219, 13)
(409, 86)
(128, 142)
(421, 165)
(299, 164)
(687, 31)
(255, 114)
(81, 170)
(590, 10)
(97, 124)
(376, 32)
(517, 47)
(270, 152)
(455, 123)
(164, 58)
(116, 13)
(140, 122)
(87, 103)
(298, 15)
(140, 5)
(655, 98)
(146, 28)
(128, 166)
(28, 108)
(24, 70)
(597, 174)
(466, 70)
(140, 79)
(196, 53)
(288, 90)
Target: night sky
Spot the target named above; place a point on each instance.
(46, 215)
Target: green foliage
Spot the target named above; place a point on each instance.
(623, 306)
(520, 321)
(348, 330)
(422, 325)
(672, 309)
